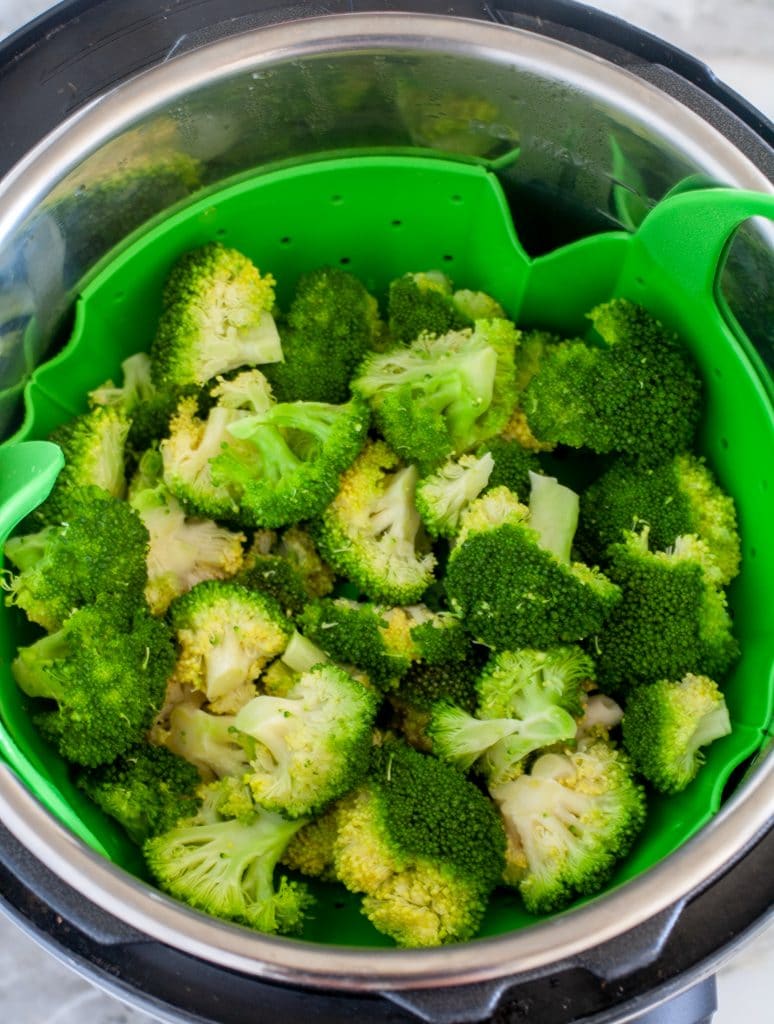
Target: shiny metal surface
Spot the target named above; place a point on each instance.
(307, 88)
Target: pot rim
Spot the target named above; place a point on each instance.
(531, 950)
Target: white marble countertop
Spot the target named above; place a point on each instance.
(736, 40)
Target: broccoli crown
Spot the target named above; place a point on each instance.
(568, 822)
(474, 306)
(368, 636)
(371, 530)
(208, 741)
(225, 867)
(106, 670)
(311, 745)
(331, 324)
(216, 316)
(101, 549)
(667, 723)
(673, 498)
(442, 496)
(422, 303)
(672, 618)
(647, 395)
(423, 844)
(93, 447)
(437, 637)
(297, 451)
(425, 685)
(298, 547)
(311, 850)
(511, 465)
(442, 395)
(532, 348)
(277, 577)
(147, 790)
(226, 634)
(510, 591)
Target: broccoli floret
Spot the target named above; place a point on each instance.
(147, 790)
(533, 347)
(667, 723)
(569, 821)
(425, 685)
(297, 452)
(331, 324)
(209, 741)
(442, 496)
(646, 394)
(371, 531)
(93, 447)
(288, 567)
(183, 550)
(672, 617)
(425, 303)
(101, 549)
(106, 670)
(299, 656)
(601, 715)
(298, 547)
(216, 316)
(674, 498)
(527, 700)
(474, 306)
(226, 634)
(311, 850)
(437, 637)
(423, 844)
(275, 576)
(443, 395)
(512, 465)
(311, 745)
(225, 867)
(509, 577)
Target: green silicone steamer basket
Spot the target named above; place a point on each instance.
(380, 216)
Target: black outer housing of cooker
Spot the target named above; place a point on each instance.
(75, 53)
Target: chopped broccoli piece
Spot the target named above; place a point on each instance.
(437, 637)
(371, 530)
(425, 685)
(147, 790)
(569, 821)
(106, 670)
(667, 723)
(216, 317)
(672, 618)
(512, 465)
(209, 741)
(331, 324)
(311, 850)
(424, 303)
(423, 844)
(442, 496)
(600, 715)
(533, 347)
(311, 745)
(101, 549)
(299, 548)
(646, 394)
(474, 306)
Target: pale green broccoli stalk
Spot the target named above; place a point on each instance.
(106, 671)
(425, 303)
(208, 741)
(100, 550)
(299, 656)
(311, 746)
(509, 582)
(647, 394)
(225, 867)
(371, 532)
(442, 497)
(332, 323)
(569, 821)
(674, 498)
(226, 635)
(667, 723)
(423, 845)
(216, 317)
(527, 700)
(672, 617)
(601, 715)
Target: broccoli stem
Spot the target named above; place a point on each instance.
(553, 515)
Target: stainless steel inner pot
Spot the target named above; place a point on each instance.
(587, 129)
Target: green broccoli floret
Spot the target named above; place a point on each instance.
(101, 549)
(183, 550)
(298, 547)
(601, 714)
(442, 496)
(226, 634)
(311, 745)
(93, 447)
(441, 396)
(208, 741)
(106, 670)
(425, 303)
(509, 577)
(672, 617)
(225, 867)
(147, 790)
(423, 844)
(437, 637)
(667, 723)
(512, 465)
(569, 821)
(646, 393)
(216, 317)
(297, 451)
(331, 324)
(287, 566)
(674, 498)
(533, 347)
(527, 700)
(311, 850)
(371, 531)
